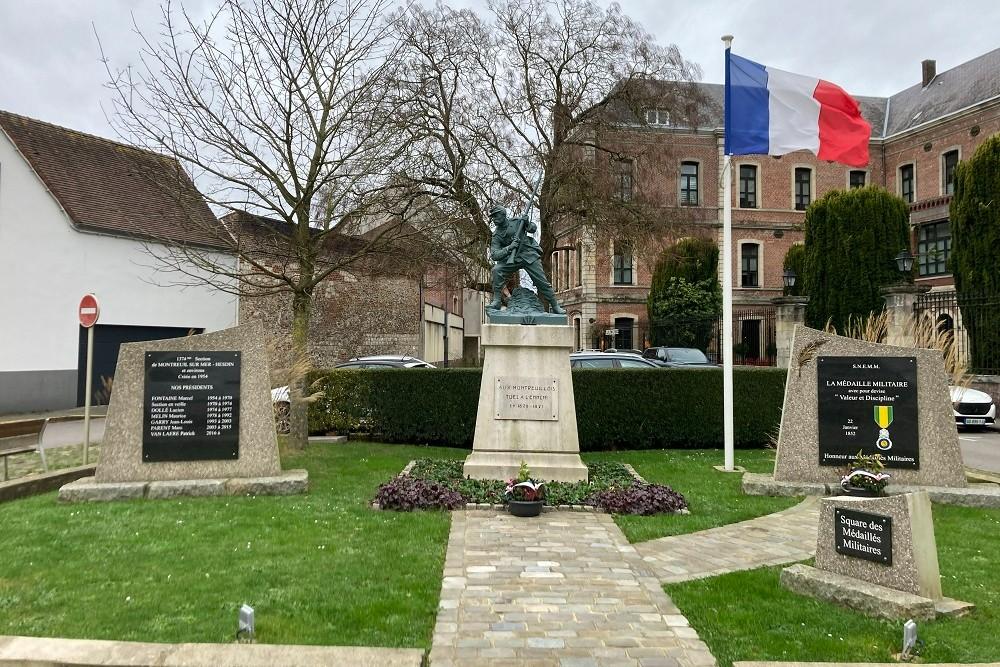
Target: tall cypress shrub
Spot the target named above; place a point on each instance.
(685, 298)
(975, 251)
(852, 238)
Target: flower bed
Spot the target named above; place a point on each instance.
(439, 484)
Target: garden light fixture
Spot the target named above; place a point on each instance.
(904, 261)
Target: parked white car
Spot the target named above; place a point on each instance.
(972, 407)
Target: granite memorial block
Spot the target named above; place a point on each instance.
(190, 416)
(527, 410)
(877, 555)
(844, 395)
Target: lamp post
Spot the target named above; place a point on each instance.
(788, 279)
(904, 261)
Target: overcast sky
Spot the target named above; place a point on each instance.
(50, 61)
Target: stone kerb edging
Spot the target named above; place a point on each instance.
(548, 508)
(22, 487)
(93, 653)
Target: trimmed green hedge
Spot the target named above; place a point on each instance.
(615, 409)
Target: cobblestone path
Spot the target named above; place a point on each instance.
(782, 537)
(562, 590)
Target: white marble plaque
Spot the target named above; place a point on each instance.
(527, 398)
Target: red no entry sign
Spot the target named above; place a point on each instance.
(89, 311)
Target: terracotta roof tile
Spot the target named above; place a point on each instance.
(112, 187)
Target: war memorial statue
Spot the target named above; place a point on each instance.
(513, 248)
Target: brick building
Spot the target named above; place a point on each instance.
(374, 306)
(918, 135)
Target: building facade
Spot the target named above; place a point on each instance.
(918, 136)
(78, 214)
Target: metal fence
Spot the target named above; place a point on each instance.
(754, 341)
(973, 320)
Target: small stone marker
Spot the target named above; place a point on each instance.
(190, 417)
(876, 555)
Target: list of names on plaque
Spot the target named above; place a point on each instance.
(191, 408)
(868, 404)
(863, 535)
(527, 398)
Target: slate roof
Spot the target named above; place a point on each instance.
(110, 187)
(962, 86)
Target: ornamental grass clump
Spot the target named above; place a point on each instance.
(642, 499)
(406, 493)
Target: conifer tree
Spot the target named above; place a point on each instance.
(975, 251)
(685, 298)
(852, 239)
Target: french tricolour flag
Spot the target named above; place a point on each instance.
(772, 112)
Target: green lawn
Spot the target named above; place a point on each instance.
(321, 568)
(714, 497)
(748, 616)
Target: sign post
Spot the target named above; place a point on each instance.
(89, 311)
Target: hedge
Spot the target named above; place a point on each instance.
(615, 409)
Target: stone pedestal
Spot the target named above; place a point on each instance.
(914, 567)
(526, 407)
(878, 556)
(788, 311)
(899, 302)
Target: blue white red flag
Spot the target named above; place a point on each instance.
(772, 112)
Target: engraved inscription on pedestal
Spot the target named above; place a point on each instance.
(868, 404)
(191, 410)
(863, 535)
(528, 398)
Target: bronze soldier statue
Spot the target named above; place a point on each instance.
(513, 248)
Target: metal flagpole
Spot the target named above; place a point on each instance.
(727, 285)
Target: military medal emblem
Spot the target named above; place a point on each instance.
(883, 417)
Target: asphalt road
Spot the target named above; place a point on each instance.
(981, 449)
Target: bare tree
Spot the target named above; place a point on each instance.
(283, 109)
(528, 91)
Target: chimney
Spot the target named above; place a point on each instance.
(929, 68)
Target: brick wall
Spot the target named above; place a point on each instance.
(353, 315)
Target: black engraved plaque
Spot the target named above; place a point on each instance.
(191, 407)
(863, 535)
(868, 404)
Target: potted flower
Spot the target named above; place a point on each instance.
(865, 477)
(525, 496)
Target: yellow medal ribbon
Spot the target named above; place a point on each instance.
(883, 415)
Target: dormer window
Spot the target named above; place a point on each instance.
(657, 117)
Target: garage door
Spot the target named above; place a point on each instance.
(107, 339)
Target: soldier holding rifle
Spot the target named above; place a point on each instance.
(513, 247)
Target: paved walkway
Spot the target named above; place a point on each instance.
(775, 539)
(562, 590)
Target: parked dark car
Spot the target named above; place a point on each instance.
(609, 360)
(676, 357)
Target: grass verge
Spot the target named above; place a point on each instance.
(714, 498)
(321, 568)
(748, 616)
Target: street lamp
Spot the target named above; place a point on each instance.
(788, 278)
(904, 261)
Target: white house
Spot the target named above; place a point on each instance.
(77, 215)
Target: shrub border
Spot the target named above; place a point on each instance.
(547, 508)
